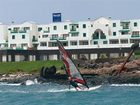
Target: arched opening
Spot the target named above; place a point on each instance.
(98, 34)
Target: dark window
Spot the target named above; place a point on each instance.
(84, 34)
(95, 42)
(44, 36)
(115, 41)
(65, 27)
(73, 43)
(124, 41)
(54, 27)
(84, 25)
(9, 29)
(13, 36)
(43, 43)
(23, 36)
(40, 28)
(114, 33)
(135, 24)
(104, 42)
(114, 24)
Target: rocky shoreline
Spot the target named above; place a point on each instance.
(104, 73)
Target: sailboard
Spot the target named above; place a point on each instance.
(71, 69)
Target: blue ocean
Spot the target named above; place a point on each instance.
(55, 94)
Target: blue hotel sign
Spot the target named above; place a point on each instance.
(56, 17)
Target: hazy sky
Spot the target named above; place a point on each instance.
(40, 11)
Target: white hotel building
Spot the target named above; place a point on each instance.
(98, 33)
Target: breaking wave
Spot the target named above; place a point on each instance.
(39, 88)
(131, 85)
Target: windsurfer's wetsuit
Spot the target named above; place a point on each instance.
(74, 84)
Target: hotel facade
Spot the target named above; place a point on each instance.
(92, 34)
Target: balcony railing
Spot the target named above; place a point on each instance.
(46, 31)
(62, 38)
(53, 38)
(34, 40)
(135, 36)
(22, 31)
(59, 38)
(74, 29)
(18, 31)
(13, 31)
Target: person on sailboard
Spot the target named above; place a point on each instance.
(73, 83)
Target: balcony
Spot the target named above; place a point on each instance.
(125, 26)
(22, 31)
(62, 38)
(34, 40)
(53, 38)
(46, 31)
(135, 36)
(13, 31)
(18, 31)
(73, 31)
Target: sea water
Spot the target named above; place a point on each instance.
(55, 94)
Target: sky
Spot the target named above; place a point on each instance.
(40, 11)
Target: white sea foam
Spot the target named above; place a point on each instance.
(40, 88)
(73, 89)
(10, 84)
(124, 85)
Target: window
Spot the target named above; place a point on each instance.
(114, 24)
(54, 44)
(54, 35)
(124, 41)
(84, 25)
(40, 28)
(135, 24)
(83, 42)
(124, 33)
(12, 45)
(104, 42)
(23, 36)
(43, 44)
(34, 39)
(125, 25)
(73, 43)
(74, 34)
(44, 36)
(114, 33)
(13, 36)
(84, 34)
(114, 41)
(95, 42)
(9, 29)
(65, 27)
(135, 33)
(134, 40)
(26, 28)
(54, 27)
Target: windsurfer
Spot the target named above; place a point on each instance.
(73, 83)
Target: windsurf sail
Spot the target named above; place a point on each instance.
(71, 70)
